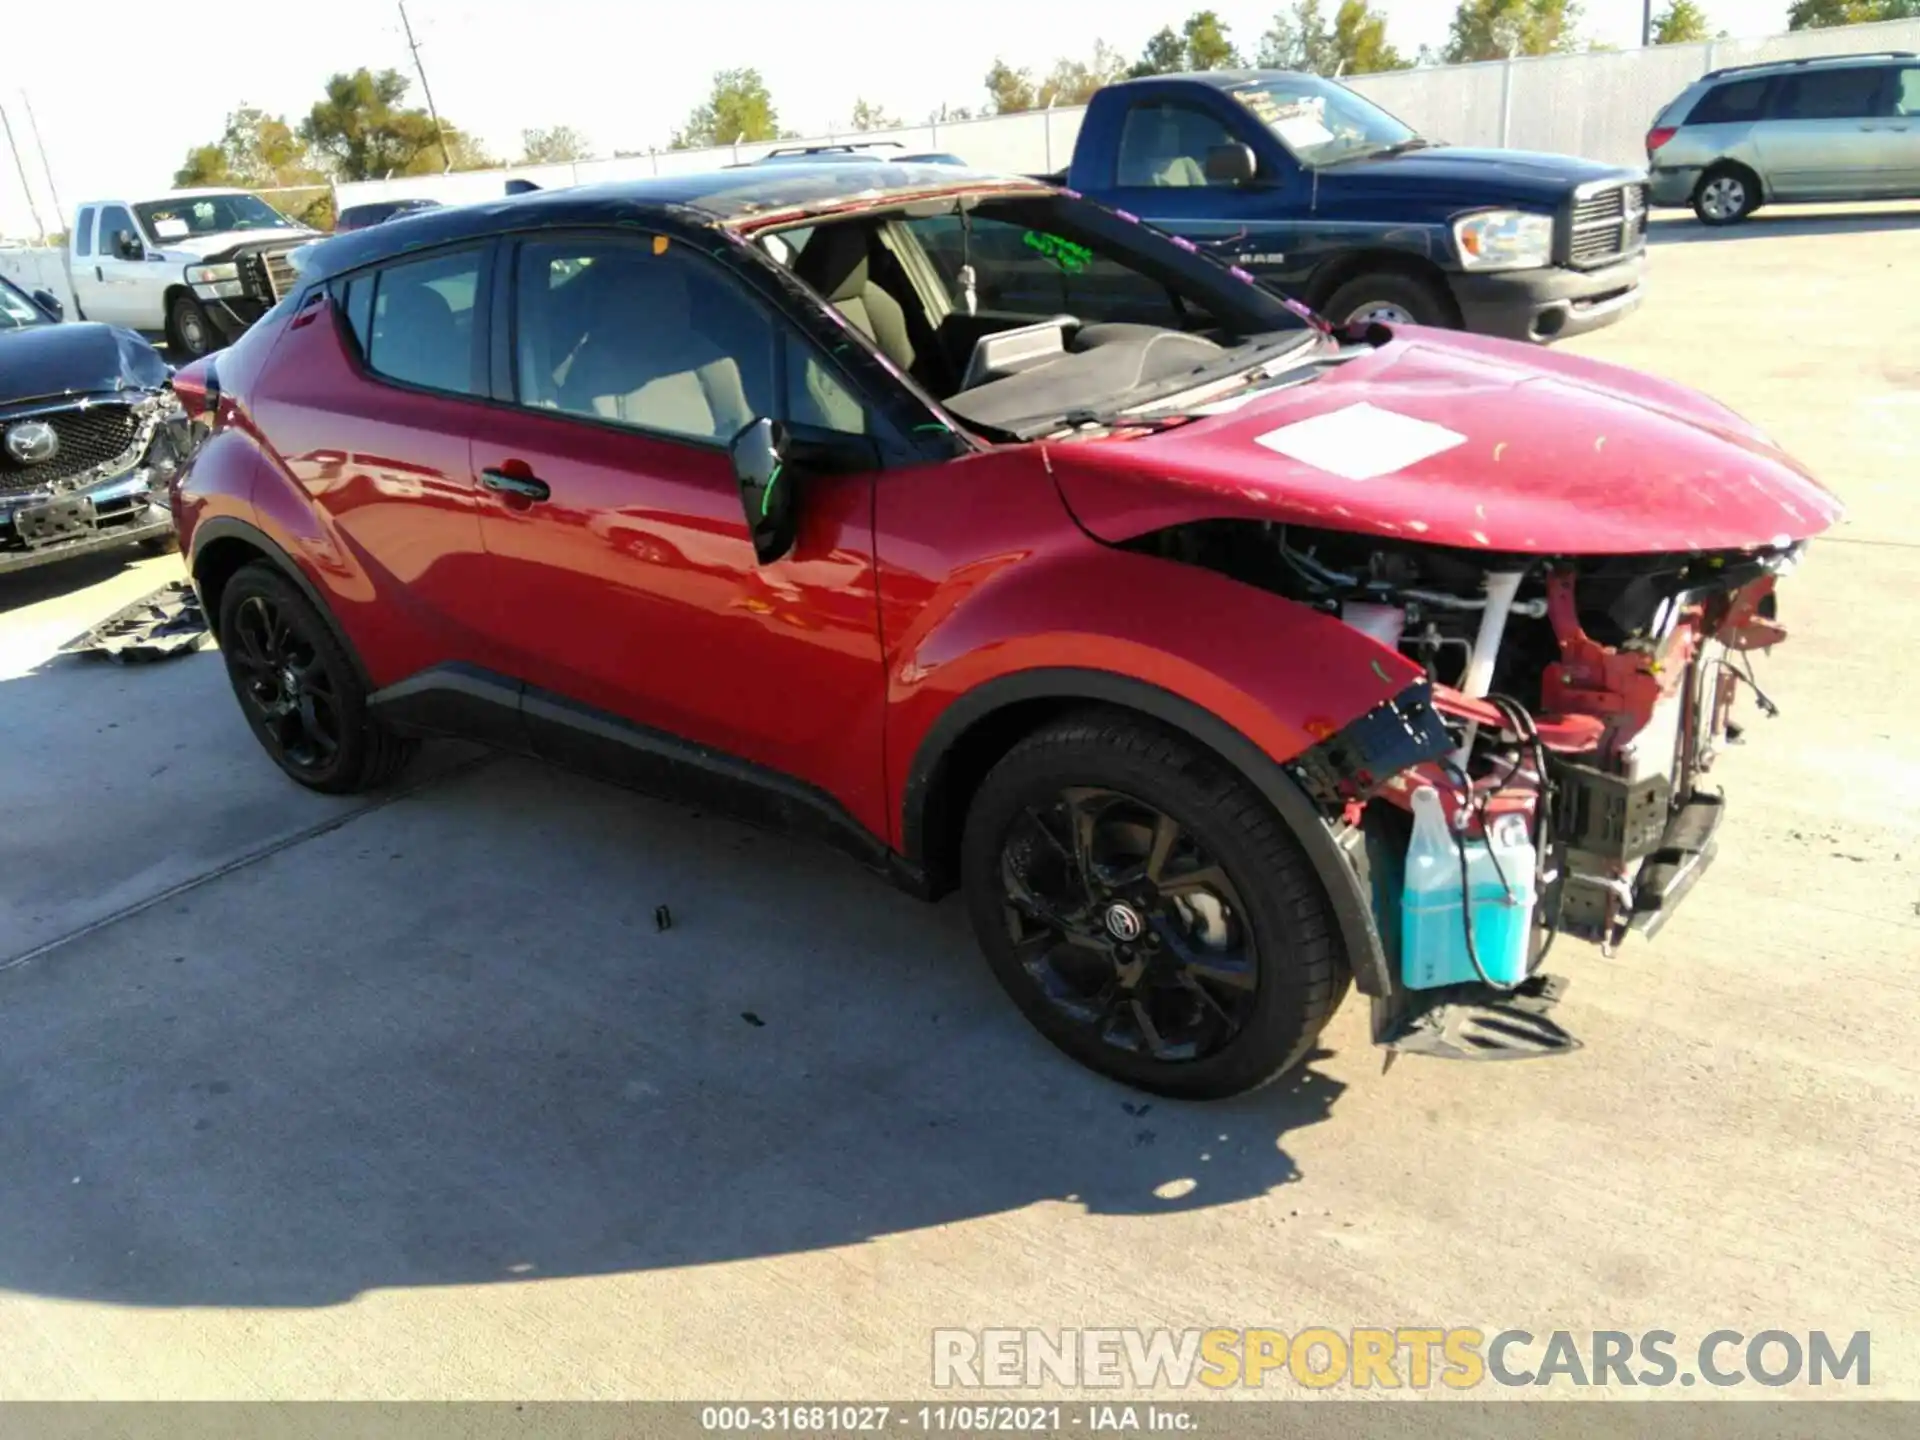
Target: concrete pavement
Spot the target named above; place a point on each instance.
(414, 1100)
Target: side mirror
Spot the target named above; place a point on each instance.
(766, 488)
(126, 246)
(50, 302)
(1231, 165)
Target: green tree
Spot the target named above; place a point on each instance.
(1823, 14)
(1360, 41)
(463, 152)
(255, 151)
(360, 130)
(1298, 39)
(1009, 91)
(872, 117)
(1495, 29)
(1682, 23)
(1208, 47)
(1072, 82)
(1354, 44)
(553, 146)
(1165, 54)
(739, 108)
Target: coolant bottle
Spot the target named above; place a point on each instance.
(1496, 894)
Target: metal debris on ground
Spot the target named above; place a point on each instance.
(662, 918)
(166, 623)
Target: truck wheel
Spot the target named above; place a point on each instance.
(298, 687)
(1147, 910)
(1725, 195)
(1388, 297)
(188, 329)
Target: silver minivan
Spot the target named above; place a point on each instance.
(1836, 127)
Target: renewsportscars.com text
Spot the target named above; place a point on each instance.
(1416, 1358)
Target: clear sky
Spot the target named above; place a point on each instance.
(122, 90)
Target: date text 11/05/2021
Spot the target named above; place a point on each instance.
(948, 1419)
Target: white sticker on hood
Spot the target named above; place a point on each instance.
(1361, 441)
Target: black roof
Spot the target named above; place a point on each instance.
(718, 197)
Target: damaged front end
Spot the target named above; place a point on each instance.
(1571, 709)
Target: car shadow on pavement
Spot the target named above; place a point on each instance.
(1682, 228)
(22, 588)
(458, 1040)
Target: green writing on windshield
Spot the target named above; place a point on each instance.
(1068, 256)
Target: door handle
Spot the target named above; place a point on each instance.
(527, 487)
(100, 274)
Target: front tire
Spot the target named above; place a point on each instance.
(1388, 297)
(299, 689)
(188, 328)
(1726, 195)
(1147, 910)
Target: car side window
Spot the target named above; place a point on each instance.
(1163, 144)
(642, 332)
(114, 219)
(83, 232)
(1906, 94)
(1830, 95)
(414, 321)
(1731, 104)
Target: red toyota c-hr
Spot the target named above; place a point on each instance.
(1222, 659)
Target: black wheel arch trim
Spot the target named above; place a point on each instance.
(228, 527)
(1340, 868)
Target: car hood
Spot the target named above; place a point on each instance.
(1462, 441)
(1464, 177)
(46, 362)
(207, 247)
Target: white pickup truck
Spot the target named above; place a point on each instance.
(196, 267)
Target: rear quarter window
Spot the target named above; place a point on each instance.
(83, 232)
(1829, 95)
(1731, 103)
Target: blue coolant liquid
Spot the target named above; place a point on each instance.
(1497, 894)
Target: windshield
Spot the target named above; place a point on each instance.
(1323, 123)
(191, 215)
(16, 311)
(1024, 312)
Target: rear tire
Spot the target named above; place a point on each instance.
(1726, 195)
(1390, 298)
(299, 689)
(1193, 953)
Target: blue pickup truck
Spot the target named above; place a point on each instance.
(1329, 199)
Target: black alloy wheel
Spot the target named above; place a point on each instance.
(1128, 926)
(284, 686)
(299, 689)
(1147, 908)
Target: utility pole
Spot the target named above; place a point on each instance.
(25, 188)
(59, 214)
(1646, 24)
(446, 160)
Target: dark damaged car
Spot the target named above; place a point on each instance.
(91, 433)
(1223, 659)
